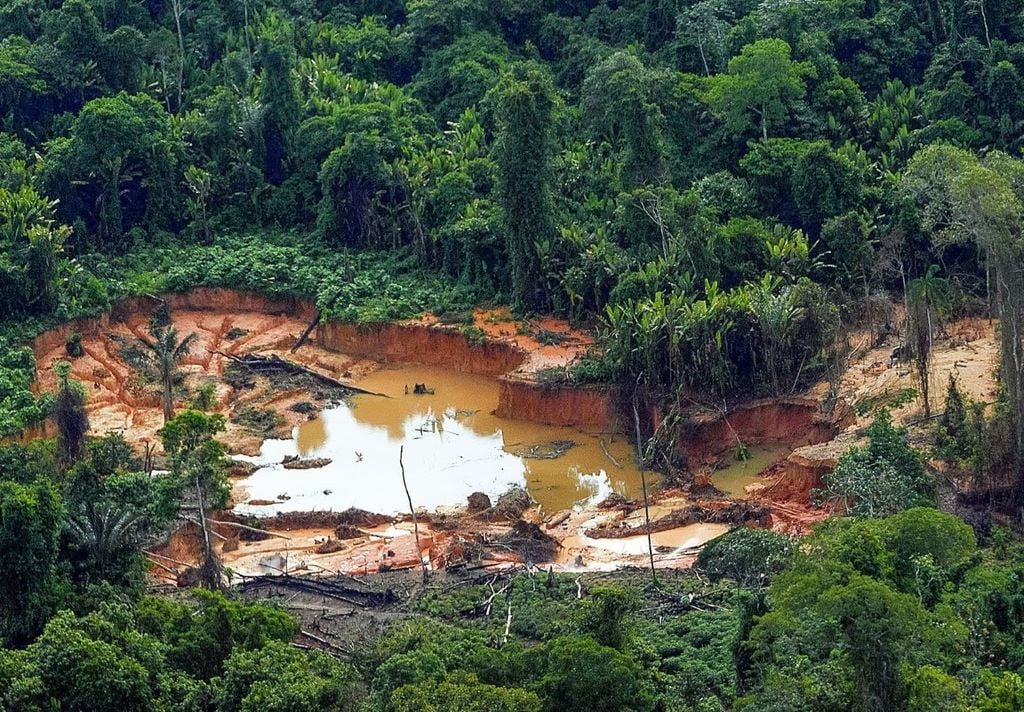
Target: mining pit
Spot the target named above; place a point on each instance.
(502, 466)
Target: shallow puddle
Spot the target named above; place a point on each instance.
(666, 543)
(734, 476)
(453, 446)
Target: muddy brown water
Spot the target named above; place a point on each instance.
(453, 446)
(734, 475)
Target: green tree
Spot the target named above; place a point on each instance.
(965, 200)
(750, 557)
(277, 678)
(579, 675)
(825, 184)
(279, 96)
(201, 634)
(620, 98)
(462, 692)
(86, 673)
(198, 459)
(355, 181)
(117, 146)
(761, 86)
(605, 615)
(882, 479)
(31, 517)
(850, 624)
(31, 246)
(525, 110)
(705, 26)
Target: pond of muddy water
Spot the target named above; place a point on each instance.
(734, 474)
(453, 446)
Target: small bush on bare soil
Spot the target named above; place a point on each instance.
(262, 421)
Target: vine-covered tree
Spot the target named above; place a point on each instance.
(71, 418)
(523, 149)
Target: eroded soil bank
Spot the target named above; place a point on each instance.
(510, 354)
(967, 351)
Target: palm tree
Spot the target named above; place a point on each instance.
(166, 352)
(104, 529)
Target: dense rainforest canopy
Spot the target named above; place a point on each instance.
(720, 187)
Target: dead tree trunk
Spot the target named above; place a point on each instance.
(412, 511)
(209, 567)
(306, 333)
(643, 483)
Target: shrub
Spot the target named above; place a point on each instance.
(884, 478)
(750, 557)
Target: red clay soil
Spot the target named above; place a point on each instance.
(510, 349)
(117, 398)
(793, 479)
(502, 345)
(418, 343)
(588, 408)
(793, 421)
(119, 401)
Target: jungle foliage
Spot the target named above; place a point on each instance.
(902, 612)
(719, 183)
(721, 186)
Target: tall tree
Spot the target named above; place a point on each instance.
(72, 420)
(199, 460)
(965, 199)
(762, 85)
(524, 146)
(31, 517)
(927, 297)
(118, 146)
(30, 252)
(178, 9)
(620, 99)
(705, 26)
(279, 94)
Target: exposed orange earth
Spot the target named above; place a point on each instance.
(119, 401)
(235, 323)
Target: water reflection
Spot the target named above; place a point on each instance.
(453, 444)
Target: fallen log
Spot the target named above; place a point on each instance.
(609, 455)
(166, 568)
(244, 527)
(273, 362)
